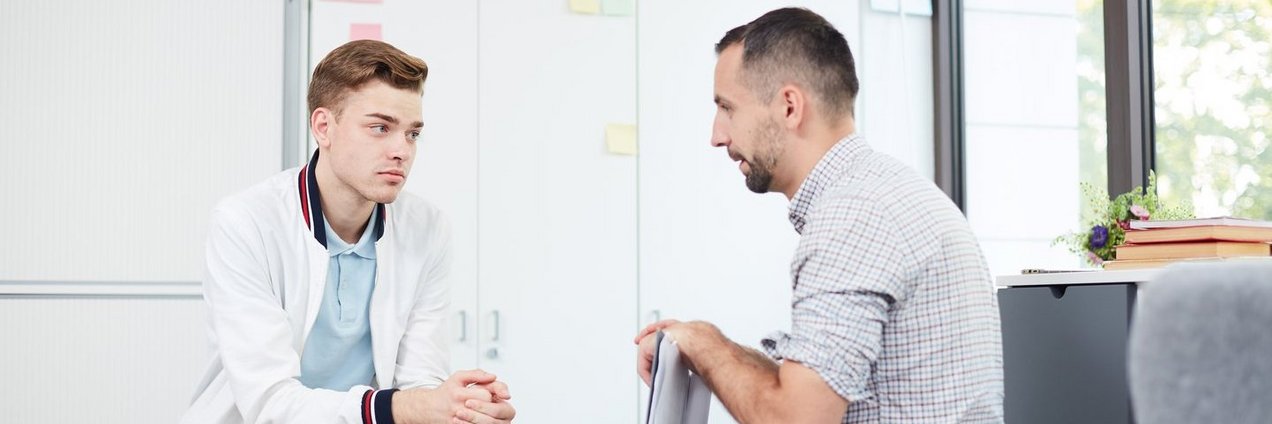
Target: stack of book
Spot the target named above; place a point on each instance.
(1151, 244)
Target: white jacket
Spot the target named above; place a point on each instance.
(265, 274)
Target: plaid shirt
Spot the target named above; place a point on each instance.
(893, 305)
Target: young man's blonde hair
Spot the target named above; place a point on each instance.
(358, 62)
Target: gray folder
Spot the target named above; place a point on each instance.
(676, 395)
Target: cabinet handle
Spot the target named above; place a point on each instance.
(494, 318)
(654, 316)
(463, 325)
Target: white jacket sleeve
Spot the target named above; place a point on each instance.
(253, 335)
(424, 352)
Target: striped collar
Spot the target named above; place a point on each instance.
(311, 205)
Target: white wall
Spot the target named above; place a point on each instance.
(124, 122)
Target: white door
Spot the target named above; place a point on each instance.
(444, 35)
(557, 211)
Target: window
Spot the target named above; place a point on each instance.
(1035, 125)
(1212, 85)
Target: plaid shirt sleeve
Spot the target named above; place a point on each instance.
(847, 276)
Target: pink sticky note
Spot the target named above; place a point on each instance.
(364, 32)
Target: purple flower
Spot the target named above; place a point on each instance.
(1139, 212)
(1099, 236)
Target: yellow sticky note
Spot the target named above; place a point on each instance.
(620, 139)
(586, 7)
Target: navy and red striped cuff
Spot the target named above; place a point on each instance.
(377, 406)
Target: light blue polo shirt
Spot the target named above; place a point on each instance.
(338, 351)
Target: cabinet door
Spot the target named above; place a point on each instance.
(444, 35)
(709, 248)
(1064, 353)
(557, 212)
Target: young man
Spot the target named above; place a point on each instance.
(326, 285)
(893, 314)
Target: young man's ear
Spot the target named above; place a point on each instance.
(319, 122)
(794, 105)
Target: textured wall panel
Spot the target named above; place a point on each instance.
(123, 123)
(99, 359)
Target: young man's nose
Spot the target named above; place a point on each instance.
(400, 150)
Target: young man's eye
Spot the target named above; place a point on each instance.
(379, 129)
(413, 135)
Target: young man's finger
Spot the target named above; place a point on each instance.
(498, 389)
(474, 393)
(470, 377)
(496, 410)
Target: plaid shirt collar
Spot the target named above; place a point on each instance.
(833, 164)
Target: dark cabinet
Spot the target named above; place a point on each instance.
(1064, 353)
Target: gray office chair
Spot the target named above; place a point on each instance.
(1201, 345)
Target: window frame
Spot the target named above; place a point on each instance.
(1128, 67)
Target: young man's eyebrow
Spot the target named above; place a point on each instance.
(391, 119)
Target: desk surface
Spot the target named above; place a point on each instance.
(1107, 277)
(1078, 277)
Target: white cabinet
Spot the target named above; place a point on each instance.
(445, 35)
(557, 212)
(544, 217)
